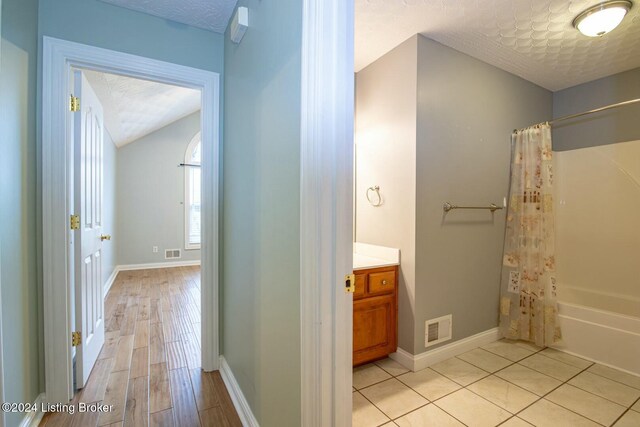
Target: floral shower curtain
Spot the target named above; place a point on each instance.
(528, 307)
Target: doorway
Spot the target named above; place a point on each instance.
(60, 59)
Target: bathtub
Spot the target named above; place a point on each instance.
(605, 337)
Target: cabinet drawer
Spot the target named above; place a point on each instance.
(381, 283)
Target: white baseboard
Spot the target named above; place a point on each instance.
(431, 357)
(32, 419)
(239, 401)
(604, 337)
(152, 265)
(110, 281)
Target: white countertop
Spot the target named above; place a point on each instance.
(367, 256)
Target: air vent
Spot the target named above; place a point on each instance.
(437, 330)
(172, 254)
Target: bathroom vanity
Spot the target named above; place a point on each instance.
(375, 303)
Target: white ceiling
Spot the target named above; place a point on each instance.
(134, 108)
(211, 15)
(533, 39)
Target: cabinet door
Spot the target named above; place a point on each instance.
(374, 328)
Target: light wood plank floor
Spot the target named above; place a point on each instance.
(149, 367)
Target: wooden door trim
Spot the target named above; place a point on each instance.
(59, 56)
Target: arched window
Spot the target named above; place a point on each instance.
(193, 192)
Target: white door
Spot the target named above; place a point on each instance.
(89, 304)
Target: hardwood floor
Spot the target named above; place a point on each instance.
(149, 367)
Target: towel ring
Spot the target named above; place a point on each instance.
(377, 190)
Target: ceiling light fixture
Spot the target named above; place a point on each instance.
(602, 18)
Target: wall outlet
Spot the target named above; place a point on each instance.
(155, 249)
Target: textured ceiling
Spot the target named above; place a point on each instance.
(211, 15)
(134, 108)
(533, 39)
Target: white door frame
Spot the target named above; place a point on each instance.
(326, 206)
(2, 413)
(58, 59)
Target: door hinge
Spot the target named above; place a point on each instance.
(76, 338)
(350, 283)
(74, 104)
(74, 222)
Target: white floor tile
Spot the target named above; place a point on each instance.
(546, 414)
(614, 374)
(394, 398)
(529, 379)
(504, 394)
(366, 375)
(429, 415)
(515, 422)
(392, 367)
(604, 387)
(459, 371)
(526, 344)
(429, 383)
(566, 358)
(508, 350)
(365, 414)
(486, 360)
(389, 424)
(586, 404)
(472, 410)
(630, 419)
(636, 407)
(551, 367)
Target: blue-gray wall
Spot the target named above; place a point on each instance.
(150, 194)
(20, 303)
(467, 110)
(261, 225)
(100, 24)
(607, 127)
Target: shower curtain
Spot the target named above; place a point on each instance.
(528, 306)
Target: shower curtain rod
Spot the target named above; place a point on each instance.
(595, 110)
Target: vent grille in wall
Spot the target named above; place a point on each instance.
(172, 254)
(438, 330)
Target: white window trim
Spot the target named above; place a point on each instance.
(197, 139)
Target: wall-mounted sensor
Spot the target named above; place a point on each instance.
(239, 24)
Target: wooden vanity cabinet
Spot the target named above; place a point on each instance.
(375, 314)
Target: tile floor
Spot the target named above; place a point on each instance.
(505, 383)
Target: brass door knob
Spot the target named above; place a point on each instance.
(104, 237)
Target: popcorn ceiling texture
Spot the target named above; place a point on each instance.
(210, 15)
(134, 108)
(533, 39)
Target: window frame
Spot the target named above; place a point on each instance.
(197, 139)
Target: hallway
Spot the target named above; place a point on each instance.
(149, 367)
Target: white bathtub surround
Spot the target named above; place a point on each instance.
(598, 238)
(373, 256)
(597, 243)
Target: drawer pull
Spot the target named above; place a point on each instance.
(384, 282)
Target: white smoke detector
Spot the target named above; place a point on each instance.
(239, 24)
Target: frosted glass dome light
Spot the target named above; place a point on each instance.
(602, 18)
